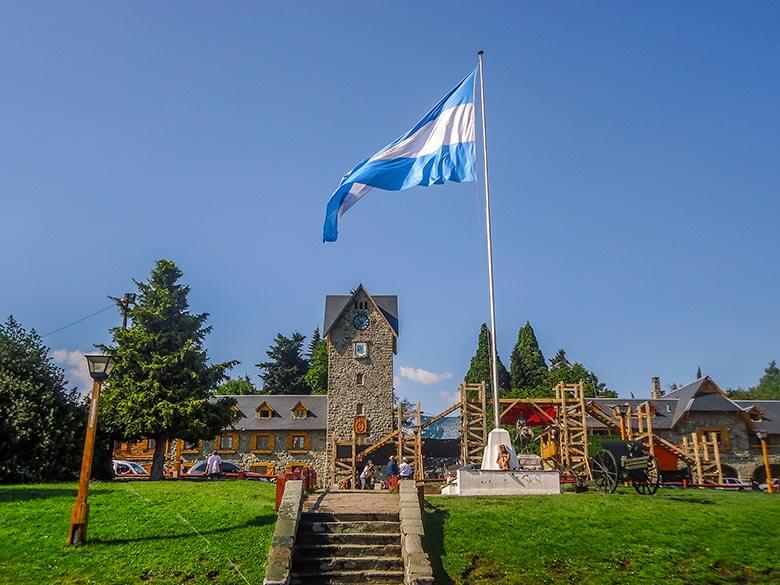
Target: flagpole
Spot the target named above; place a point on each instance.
(494, 358)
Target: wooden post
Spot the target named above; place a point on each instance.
(767, 468)
(79, 515)
(418, 456)
(716, 453)
(400, 451)
(697, 454)
(354, 460)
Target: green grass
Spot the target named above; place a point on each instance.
(675, 537)
(139, 532)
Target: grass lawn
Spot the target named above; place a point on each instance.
(675, 537)
(139, 532)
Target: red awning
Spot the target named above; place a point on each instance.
(531, 413)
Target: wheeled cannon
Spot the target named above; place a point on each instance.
(620, 461)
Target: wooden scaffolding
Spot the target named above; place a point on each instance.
(473, 422)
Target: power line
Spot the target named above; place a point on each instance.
(111, 306)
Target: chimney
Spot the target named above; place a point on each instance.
(655, 388)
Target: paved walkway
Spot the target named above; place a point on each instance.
(352, 501)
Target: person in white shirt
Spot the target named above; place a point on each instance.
(214, 466)
(405, 471)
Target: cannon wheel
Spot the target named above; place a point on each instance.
(649, 485)
(604, 468)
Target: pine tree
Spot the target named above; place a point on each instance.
(561, 370)
(286, 369)
(527, 366)
(313, 343)
(768, 387)
(41, 419)
(559, 360)
(317, 376)
(480, 370)
(162, 386)
(237, 386)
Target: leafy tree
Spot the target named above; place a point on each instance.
(285, 372)
(768, 387)
(42, 421)
(242, 385)
(527, 366)
(480, 370)
(317, 376)
(561, 370)
(162, 386)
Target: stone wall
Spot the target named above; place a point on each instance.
(344, 392)
(280, 557)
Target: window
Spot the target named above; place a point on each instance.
(298, 442)
(360, 349)
(722, 436)
(360, 379)
(150, 444)
(191, 446)
(227, 442)
(264, 411)
(360, 409)
(262, 468)
(300, 410)
(263, 442)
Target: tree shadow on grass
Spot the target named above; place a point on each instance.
(20, 494)
(434, 519)
(256, 522)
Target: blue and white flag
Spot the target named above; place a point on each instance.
(439, 148)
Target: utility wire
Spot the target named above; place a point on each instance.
(111, 306)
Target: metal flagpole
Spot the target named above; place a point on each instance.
(493, 356)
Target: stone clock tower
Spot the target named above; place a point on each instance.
(362, 333)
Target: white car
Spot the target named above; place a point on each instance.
(128, 469)
(775, 485)
(733, 483)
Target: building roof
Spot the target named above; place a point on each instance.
(336, 304)
(664, 410)
(282, 419)
(702, 395)
(770, 414)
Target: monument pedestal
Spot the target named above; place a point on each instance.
(480, 482)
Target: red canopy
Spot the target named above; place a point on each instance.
(531, 413)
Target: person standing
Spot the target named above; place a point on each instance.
(405, 471)
(392, 467)
(367, 477)
(214, 466)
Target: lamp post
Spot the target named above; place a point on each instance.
(762, 435)
(100, 367)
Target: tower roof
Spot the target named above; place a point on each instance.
(335, 305)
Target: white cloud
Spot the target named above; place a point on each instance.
(396, 382)
(75, 367)
(449, 397)
(424, 376)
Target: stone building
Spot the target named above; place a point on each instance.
(279, 433)
(702, 407)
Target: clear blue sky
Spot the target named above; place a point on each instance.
(634, 161)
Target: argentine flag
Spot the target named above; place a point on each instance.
(439, 148)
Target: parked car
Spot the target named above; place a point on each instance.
(198, 471)
(128, 469)
(733, 483)
(775, 485)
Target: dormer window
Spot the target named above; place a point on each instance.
(264, 411)
(300, 411)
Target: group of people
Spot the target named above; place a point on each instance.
(393, 469)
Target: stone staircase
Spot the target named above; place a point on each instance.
(348, 547)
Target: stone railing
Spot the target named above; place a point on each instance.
(281, 553)
(417, 566)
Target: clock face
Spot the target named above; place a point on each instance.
(360, 321)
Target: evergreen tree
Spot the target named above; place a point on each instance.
(41, 420)
(480, 370)
(313, 343)
(285, 372)
(527, 366)
(559, 360)
(162, 386)
(242, 385)
(317, 376)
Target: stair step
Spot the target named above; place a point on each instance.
(361, 538)
(312, 551)
(348, 577)
(357, 563)
(382, 526)
(349, 517)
